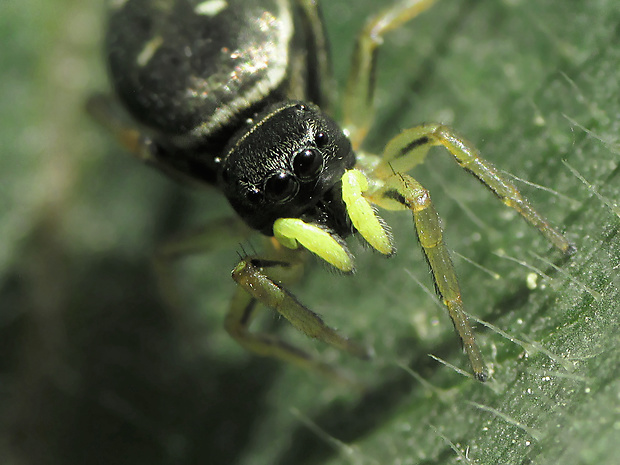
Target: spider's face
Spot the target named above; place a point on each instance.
(289, 164)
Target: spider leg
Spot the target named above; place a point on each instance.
(409, 149)
(219, 233)
(256, 278)
(320, 84)
(107, 111)
(358, 108)
(389, 188)
(401, 191)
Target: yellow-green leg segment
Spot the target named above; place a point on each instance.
(237, 323)
(251, 274)
(409, 149)
(358, 108)
(401, 191)
(394, 190)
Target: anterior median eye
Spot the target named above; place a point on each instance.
(307, 164)
(281, 186)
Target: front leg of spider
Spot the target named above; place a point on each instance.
(394, 190)
(255, 285)
(410, 148)
(402, 191)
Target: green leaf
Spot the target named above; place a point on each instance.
(96, 369)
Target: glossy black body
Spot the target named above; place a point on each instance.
(209, 74)
(218, 93)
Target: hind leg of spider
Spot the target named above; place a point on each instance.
(409, 149)
(224, 232)
(402, 192)
(108, 113)
(358, 108)
(254, 277)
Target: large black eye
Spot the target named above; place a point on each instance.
(281, 186)
(308, 163)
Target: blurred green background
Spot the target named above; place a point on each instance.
(95, 369)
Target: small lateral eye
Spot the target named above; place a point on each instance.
(280, 187)
(254, 195)
(321, 139)
(308, 163)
